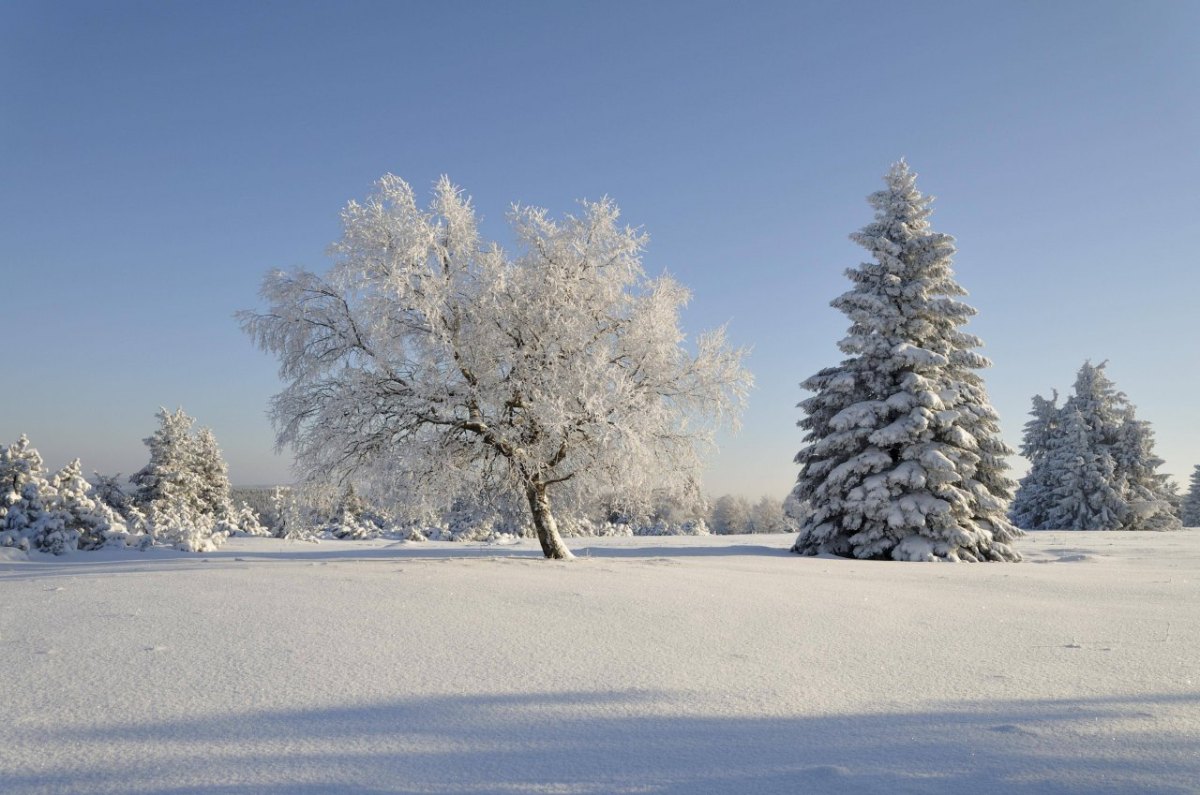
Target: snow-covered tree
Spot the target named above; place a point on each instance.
(248, 522)
(444, 366)
(26, 518)
(1107, 442)
(170, 478)
(212, 474)
(287, 520)
(1035, 494)
(173, 487)
(350, 518)
(676, 513)
(730, 515)
(1190, 509)
(1148, 493)
(1084, 497)
(86, 522)
(904, 458)
(767, 516)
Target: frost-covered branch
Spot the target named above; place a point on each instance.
(425, 357)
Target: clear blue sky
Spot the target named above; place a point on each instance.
(157, 158)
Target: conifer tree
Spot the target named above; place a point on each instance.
(1084, 497)
(1147, 492)
(1190, 509)
(212, 475)
(1043, 433)
(171, 488)
(904, 457)
(86, 522)
(1101, 406)
(169, 481)
(348, 519)
(25, 519)
(1110, 450)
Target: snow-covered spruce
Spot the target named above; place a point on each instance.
(26, 518)
(1190, 509)
(1043, 435)
(1093, 465)
(436, 365)
(1082, 495)
(903, 456)
(184, 489)
(56, 515)
(351, 518)
(86, 522)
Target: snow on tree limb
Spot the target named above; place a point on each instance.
(903, 457)
(442, 365)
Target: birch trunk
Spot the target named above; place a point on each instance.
(543, 521)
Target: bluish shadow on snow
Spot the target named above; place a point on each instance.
(646, 742)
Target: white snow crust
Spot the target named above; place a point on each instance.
(649, 665)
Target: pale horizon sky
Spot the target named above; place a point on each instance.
(157, 158)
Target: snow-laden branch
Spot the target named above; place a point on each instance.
(425, 356)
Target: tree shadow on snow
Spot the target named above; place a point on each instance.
(635, 741)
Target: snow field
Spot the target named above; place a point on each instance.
(676, 665)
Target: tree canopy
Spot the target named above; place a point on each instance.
(438, 364)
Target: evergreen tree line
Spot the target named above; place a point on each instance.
(180, 498)
(903, 458)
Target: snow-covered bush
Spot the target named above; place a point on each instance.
(173, 524)
(246, 522)
(108, 490)
(287, 519)
(903, 455)
(353, 519)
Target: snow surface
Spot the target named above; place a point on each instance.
(649, 665)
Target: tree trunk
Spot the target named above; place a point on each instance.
(543, 522)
